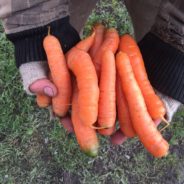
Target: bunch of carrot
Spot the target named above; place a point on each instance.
(104, 75)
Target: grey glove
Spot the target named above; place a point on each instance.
(32, 71)
(171, 105)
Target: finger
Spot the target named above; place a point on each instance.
(157, 122)
(67, 124)
(118, 138)
(43, 86)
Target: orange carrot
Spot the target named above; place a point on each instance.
(43, 100)
(80, 63)
(123, 111)
(107, 98)
(154, 104)
(99, 35)
(86, 44)
(60, 75)
(111, 42)
(86, 136)
(142, 122)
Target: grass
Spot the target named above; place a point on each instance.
(35, 150)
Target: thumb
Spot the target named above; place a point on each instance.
(43, 86)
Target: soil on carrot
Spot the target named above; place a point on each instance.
(36, 150)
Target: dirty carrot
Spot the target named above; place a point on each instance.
(86, 136)
(142, 122)
(99, 36)
(60, 75)
(107, 98)
(123, 111)
(111, 42)
(80, 63)
(154, 104)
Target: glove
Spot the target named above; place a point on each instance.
(31, 58)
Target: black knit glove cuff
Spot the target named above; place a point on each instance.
(164, 65)
(29, 43)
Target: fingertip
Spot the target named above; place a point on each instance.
(43, 86)
(157, 122)
(118, 138)
(67, 124)
(48, 90)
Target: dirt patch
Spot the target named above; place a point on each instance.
(2, 137)
(59, 175)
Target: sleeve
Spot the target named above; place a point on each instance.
(26, 24)
(163, 50)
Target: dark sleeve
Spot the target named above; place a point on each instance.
(163, 50)
(29, 43)
(26, 24)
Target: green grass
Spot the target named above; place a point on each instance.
(35, 150)
(111, 13)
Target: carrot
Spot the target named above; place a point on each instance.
(43, 100)
(99, 35)
(123, 112)
(107, 98)
(86, 136)
(142, 122)
(60, 75)
(107, 131)
(111, 42)
(153, 102)
(80, 63)
(86, 44)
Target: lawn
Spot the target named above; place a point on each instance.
(37, 150)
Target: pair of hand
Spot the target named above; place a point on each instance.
(34, 75)
(46, 87)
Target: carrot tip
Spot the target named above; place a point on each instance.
(166, 122)
(49, 30)
(43, 105)
(164, 128)
(92, 152)
(93, 33)
(51, 113)
(99, 128)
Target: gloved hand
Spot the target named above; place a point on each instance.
(171, 106)
(31, 58)
(164, 65)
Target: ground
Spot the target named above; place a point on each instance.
(35, 150)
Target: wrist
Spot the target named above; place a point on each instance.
(29, 44)
(164, 65)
